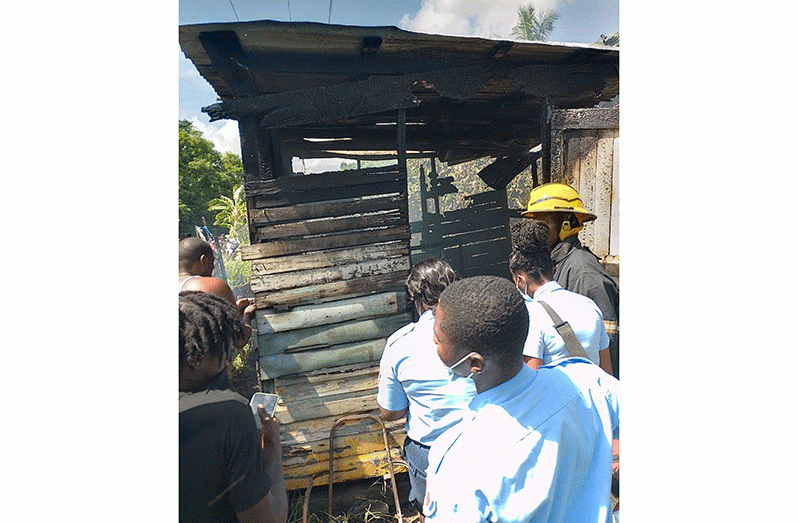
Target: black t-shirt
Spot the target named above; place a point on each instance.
(219, 448)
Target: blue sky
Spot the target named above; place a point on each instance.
(580, 21)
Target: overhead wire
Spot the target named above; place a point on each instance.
(234, 10)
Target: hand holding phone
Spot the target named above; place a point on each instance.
(269, 402)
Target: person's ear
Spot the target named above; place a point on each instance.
(476, 363)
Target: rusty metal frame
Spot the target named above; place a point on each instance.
(339, 421)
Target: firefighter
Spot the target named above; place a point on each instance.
(576, 269)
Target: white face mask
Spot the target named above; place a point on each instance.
(523, 292)
(452, 367)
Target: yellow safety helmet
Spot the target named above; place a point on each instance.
(558, 197)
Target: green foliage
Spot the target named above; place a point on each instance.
(535, 26)
(238, 271)
(612, 40)
(232, 214)
(204, 174)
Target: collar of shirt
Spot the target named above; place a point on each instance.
(426, 316)
(505, 391)
(546, 288)
(219, 382)
(564, 248)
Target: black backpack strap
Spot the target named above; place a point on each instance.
(567, 333)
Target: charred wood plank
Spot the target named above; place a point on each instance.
(381, 94)
(594, 118)
(333, 241)
(276, 215)
(288, 198)
(321, 259)
(329, 225)
(324, 180)
(320, 276)
(305, 295)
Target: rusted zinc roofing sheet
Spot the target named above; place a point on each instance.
(466, 96)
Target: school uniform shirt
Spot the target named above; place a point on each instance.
(412, 376)
(581, 313)
(537, 448)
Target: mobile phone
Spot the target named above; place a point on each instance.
(269, 402)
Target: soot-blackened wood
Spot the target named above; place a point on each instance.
(320, 276)
(332, 241)
(595, 118)
(329, 225)
(386, 93)
(320, 259)
(276, 215)
(323, 181)
(332, 193)
(228, 58)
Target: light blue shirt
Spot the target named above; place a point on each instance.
(412, 376)
(581, 313)
(538, 447)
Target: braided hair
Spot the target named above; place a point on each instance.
(208, 325)
(485, 314)
(530, 251)
(427, 280)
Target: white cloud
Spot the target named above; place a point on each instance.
(469, 17)
(223, 134)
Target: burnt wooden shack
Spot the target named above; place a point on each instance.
(330, 250)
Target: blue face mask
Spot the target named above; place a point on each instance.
(464, 358)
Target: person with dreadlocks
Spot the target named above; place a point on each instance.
(195, 266)
(414, 383)
(535, 445)
(228, 473)
(532, 270)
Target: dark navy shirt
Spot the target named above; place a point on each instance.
(219, 451)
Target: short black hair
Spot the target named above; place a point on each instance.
(485, 314)
(189, 251)
(208, 325)
(530, 250)
(427, 280)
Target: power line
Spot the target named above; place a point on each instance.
(289, 11)
(329, 14)
(234, 10)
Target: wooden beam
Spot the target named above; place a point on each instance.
(328, 258)
(356, 287)
(592, 118)
(227, 56)
(321, 276)
(330, 225)
(334, 241)
(281, 364)
(389, 93)
(277, 215)
(325, 336)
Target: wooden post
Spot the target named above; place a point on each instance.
(545, 141)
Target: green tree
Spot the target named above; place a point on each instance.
(612, 40)
(536, 26)
(204, 174)
(231, 213)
